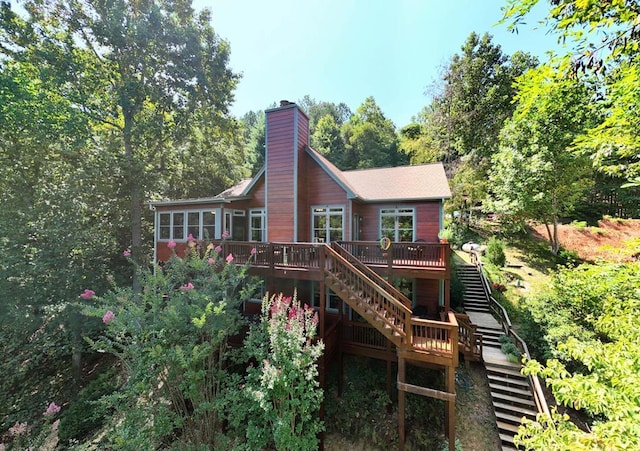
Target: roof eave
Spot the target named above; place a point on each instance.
(253, 182)
(350, 193)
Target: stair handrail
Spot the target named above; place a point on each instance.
(331, 253)
(505, 322)
(377, 278)
(467, 333)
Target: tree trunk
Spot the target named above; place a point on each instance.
(136, 198)
(553, 236)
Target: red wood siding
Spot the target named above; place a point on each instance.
(427, 219)
(282, 127)
(321, 190)
(280, 145)
(427, 294)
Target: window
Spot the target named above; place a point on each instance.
(397, 223)
(332, 300)
(257, 225)
(177, 225)
(327, 224)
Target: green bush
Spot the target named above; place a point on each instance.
(173, 341)
(88, 413)
(495, 253)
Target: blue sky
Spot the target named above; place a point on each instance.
(347, 50)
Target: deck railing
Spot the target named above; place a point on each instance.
(289, 255)
(436, 336)
(389, 311)
(371, 274)
(363, 334)
(468, 335)
(427, 255)
(503, 318)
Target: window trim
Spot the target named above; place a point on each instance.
(185, 226)
(262, 214)
(395, 215)
(343, 212)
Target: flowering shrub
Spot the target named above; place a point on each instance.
(281, 397)
(172, 340)
(499, 287)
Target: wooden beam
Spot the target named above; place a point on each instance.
(424, 391)
(401, 400)
(450, 410)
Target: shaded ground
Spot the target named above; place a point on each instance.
(475, 421)
(614, 240)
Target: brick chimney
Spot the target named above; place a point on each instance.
(286, 137)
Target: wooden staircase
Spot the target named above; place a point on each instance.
(511, 393)
(386, 309)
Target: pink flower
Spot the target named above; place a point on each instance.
(187, 287)
(190, 238)
(18, 429)
(87, 294)
(171, 244)
(253, 251)
(218, 249)
(229, 258)
(225, 234)
(52, 409)
(127, 253)
(211, 261)
(108, 317)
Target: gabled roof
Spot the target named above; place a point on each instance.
(419, 182)
(238, 191)
(410, 183)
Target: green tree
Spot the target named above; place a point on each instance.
(280, 401)
(173, 343)
(462, 123)
(151, 76)
(604, 40)
(588, 317)
(535, 173)
(370, 139)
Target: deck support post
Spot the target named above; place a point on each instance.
(450, 408)
(401, 401)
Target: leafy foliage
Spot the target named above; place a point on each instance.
(280, 400)
(589, 319)
(172, 340)
(605, 37)
(495, 252)
(536, 175)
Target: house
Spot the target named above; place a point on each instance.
(360, 246)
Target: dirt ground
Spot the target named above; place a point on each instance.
(614, 240)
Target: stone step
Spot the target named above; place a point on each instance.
(509, 381)
(507, 427)
(506, 438)
(518, 402)
(508, 418)
(502, 407)
(503, 370)
(508, 390)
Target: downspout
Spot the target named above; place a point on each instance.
(266, 179)
(295, 174)
(440, 227)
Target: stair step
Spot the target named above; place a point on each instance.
(507, 427)
(513, 409)
(522, 381)
(512, 390)
(508, 418)
(506, 438)
(512, 399)
(502, 370)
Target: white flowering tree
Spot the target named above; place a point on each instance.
(281, 398)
